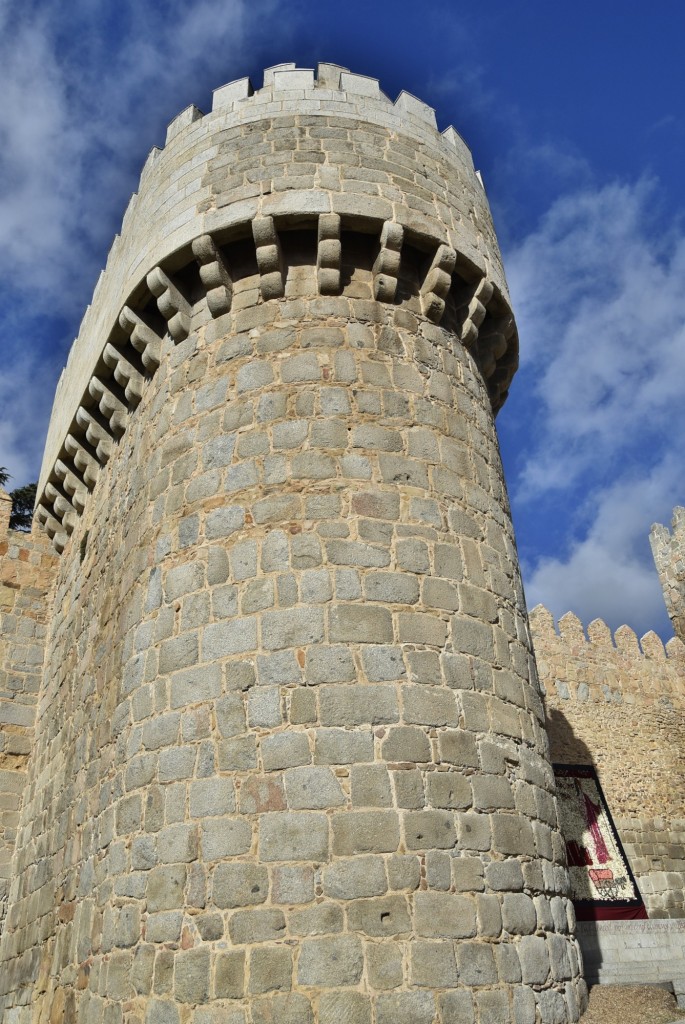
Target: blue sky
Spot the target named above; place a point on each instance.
(575, 115)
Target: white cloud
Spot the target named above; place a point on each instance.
(87, 91)
(40, 149)
(79, 114)
(598, 290)
(608, 573)
(601, 312)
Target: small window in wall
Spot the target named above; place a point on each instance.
(602, 884)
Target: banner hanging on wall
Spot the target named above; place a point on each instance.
(602, 884)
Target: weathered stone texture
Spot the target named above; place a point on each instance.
(26, 571)
(288, 725)
(668, 548)
(620, 706)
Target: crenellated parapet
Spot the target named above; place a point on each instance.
(226, 199)
(599, 664)
(668, 548)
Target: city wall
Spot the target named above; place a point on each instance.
(619, 704)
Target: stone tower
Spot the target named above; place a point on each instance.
(290, 762)
(668, 548)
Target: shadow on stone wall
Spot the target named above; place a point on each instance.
(567, 748)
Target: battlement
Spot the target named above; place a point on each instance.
(668, 549)
(623, 640)
(604, 665)
(286, 83)
(326, 153)
(618, 703)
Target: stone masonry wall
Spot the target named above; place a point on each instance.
(668, 548)
(620, 706)
(290, 761)
(26, 571)
(289, 756)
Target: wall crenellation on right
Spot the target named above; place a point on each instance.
(618, 703)
(631, 660)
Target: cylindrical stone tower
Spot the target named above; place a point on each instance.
(290, 762)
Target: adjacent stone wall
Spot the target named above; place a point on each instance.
(634, 953)
(620, 705)
(668, 548)
(26, 571)
(290, 762)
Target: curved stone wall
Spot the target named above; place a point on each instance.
(290, 758)
(292, 151)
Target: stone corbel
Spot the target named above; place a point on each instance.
(172, 305)
(71, 485)
(386, 266)
(473, 311)
(96, 434)
(269, 258)
(214, 275)
(328, 254)
(493, 340)
(84, 463)
(143, 338)
(125, 374)
(111, 407)
(63, 508)
(438, 281)
(498, 383)
(52, 527)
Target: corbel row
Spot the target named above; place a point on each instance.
(100, 421)
(116, 389)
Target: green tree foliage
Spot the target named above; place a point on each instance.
(23, 500)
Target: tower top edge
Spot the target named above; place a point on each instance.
(326, 84)
(570, 632)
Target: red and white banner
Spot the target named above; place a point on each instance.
(602, 884)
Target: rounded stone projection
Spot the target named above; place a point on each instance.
(290, 761)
